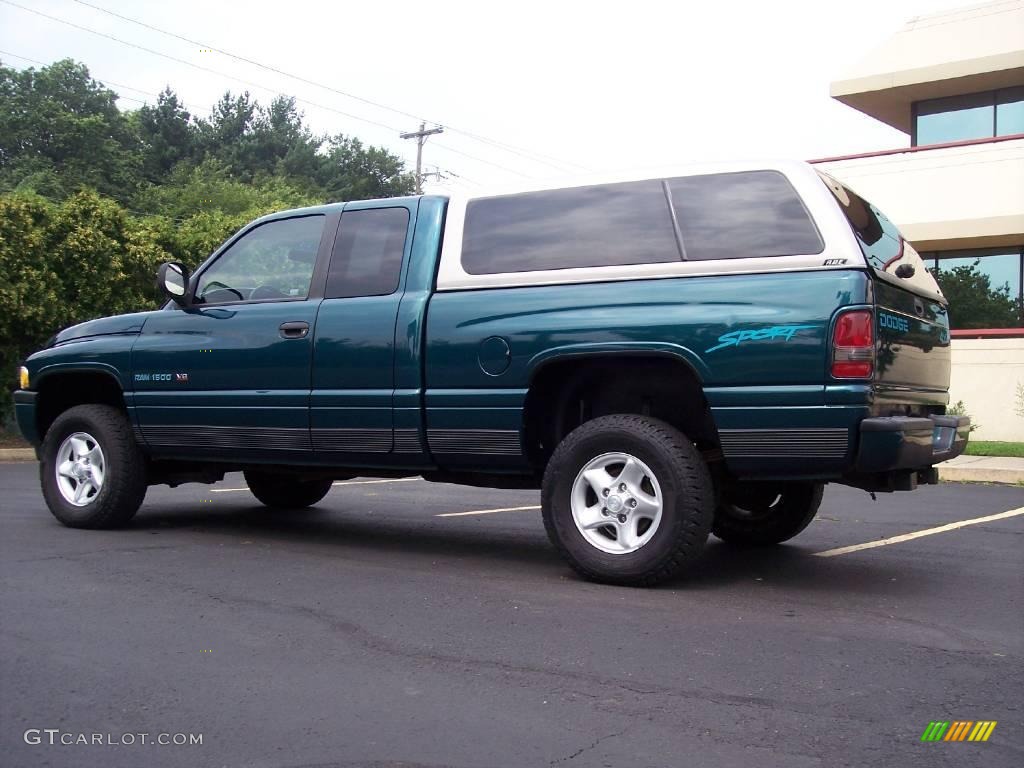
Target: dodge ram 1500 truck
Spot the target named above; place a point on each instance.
(664, 356)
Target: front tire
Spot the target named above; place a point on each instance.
(627, 500)
(282, 491)
(92, 472)
(762, 514)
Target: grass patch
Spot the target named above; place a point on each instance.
(994, 448)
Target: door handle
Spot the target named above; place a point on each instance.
(294, 330)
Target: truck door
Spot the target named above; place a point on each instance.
(354, 344)
(230, 373)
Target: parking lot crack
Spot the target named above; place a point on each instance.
(587, 748)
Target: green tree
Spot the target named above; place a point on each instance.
(166, 133)
(253, 143)
(227, 134)
(350, 171)
(283, 144)
(60, 130)
(210, 186)
(973, 302)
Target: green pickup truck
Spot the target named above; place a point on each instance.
(664, 356)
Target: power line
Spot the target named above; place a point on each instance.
(480, 159)
(104, 81)
(248, 83)
(511, 148)
(197, 108)
(187, 63)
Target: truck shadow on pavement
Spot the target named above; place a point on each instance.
(513, 547)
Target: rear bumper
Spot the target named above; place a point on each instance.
(909, 443)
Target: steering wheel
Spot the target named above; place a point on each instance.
(217, 285)
(266, 292)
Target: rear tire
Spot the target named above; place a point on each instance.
(91, 470)
(761, 514)
(281, 491)
(656, 514)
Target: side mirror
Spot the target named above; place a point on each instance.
(172, 281)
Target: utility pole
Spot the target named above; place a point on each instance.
(437, 174)
(421, 139)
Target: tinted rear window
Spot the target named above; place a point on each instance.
(596, 226)
(367, 255)
(880, 241)
(742, 215)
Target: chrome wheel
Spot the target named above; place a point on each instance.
(80, 469)
(616, 503)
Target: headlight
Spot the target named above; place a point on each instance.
(23, 377)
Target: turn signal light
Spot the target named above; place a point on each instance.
(853, 345)
(23, 377)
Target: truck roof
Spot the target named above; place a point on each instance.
(637, 174)
(574, 180)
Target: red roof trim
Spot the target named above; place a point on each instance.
(903, 150)
(987, 333)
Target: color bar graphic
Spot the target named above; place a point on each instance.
(959, 730)
(982, 730)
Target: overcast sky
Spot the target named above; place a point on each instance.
(588, 84)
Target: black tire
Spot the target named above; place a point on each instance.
(687, 499)
(283, 491)
(761, 514)
(123, 485)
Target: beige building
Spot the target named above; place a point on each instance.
(954, 82)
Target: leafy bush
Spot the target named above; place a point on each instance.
(959, 409)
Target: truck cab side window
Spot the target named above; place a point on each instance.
(273, 261)
(367, 255)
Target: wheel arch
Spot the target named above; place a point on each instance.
(61, 387)
(568, 389)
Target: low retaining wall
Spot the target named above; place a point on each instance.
(986, 375)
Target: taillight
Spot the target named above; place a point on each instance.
(853, 345)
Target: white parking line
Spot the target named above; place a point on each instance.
(919, 534)
(486, 511)
(340, 482)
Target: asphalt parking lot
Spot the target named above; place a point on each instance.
(376, 631)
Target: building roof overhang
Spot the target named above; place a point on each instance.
(979, 48)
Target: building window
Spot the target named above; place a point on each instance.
(1010, 111)
(971, 116)
(985, 288)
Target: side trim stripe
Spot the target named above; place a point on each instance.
(486, 442)
(346, 440)
(408, 441)
(756, 443)
(250, 438)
